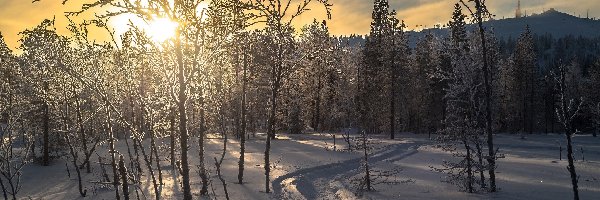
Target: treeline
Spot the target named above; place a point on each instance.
(546, 54)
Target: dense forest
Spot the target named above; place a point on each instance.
(67, 97)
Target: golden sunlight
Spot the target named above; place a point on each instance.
(158, 29)
(161, 29)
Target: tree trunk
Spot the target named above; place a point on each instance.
(146, 128)
(112, 154)
(553, 104)
(276, 77)
(148, 162)
(203, 174)
(136, 149)
(135, 123)
(46, 127)
(469, 167)
(3, 189)
(219, 163)
(270, 134)
(392, 106)
(597, 120)
(546, 107)
(218, 166)
(123, 172)
(82, 135)
(183, 132)
(481, 164)
(367, 177)
(82, 192)
(156, 157)
(172, 140)
(243, 125)
(317, 102)
(571, 166)
(131, 163)
(531, 107)
(567, 122)
(13, 189)
(488, 93)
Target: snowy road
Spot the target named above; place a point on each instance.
(316, 182)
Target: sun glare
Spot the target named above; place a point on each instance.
(161, 29)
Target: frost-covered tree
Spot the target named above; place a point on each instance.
(479, 13)
(230, 20)
(81, 59)
(493, 62)
(43, 51)
(567, 111)
(14, 107)
(134, 55)
(320, 80)
(278, 18)
(318, 74)
(463, 97)
(189, 15)
(349, 60)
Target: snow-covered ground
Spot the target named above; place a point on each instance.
(531, 169)
(306, 167)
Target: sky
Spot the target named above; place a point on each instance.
(348, 16)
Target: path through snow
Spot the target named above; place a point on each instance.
(323, 180)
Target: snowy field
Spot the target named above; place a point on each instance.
(306, 167)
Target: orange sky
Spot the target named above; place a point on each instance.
(349, 16)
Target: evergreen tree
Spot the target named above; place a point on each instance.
(371, 74)
(317, 76)
(458, 31)
(593, 97)
(425, 85)
(395, 57)
(525, 78)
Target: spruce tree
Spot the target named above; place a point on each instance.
(524, 73)
(371, 72)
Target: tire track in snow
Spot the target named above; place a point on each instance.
(305, 179)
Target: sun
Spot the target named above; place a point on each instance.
(161, 29)
(158, 29)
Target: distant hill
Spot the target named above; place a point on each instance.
(560, 37)
(552, 22)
